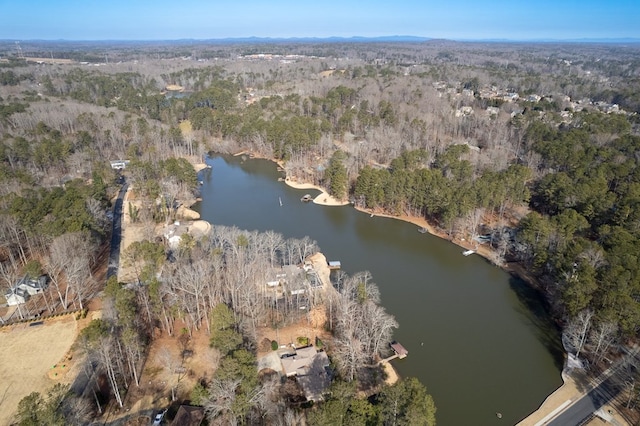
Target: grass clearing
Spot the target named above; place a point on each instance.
(27, 356)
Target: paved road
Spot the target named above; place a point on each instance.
(116, 234)
(583, 408)
(605, 391)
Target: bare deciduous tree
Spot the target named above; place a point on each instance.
(362, 327)
(69, 266)
(175, 368)
(219, 406)
(577, 330)
(603, 335)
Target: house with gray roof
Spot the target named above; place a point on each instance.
(311, 369)
(24, 288)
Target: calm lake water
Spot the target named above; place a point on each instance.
(477, 338)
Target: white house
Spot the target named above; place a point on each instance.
(24, 288)
(16, 296)
(119, 164)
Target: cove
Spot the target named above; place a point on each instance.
(478, 338)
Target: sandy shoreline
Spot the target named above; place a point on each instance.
(199, 166)
(324, 199)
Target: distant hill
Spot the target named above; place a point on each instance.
(623, 40)
(353, 39)
(244, 40)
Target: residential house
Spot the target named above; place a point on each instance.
(566, 116)
(493, 111)
(33, 285)
(188, 415)
(439, 85)
(311, 369)
(119, 164)
(464, 111)
(510, 97)
(173, 234)
(24, 288)
(16, 296)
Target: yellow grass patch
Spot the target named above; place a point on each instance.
(27, 356)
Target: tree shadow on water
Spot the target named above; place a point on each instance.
(536, 310)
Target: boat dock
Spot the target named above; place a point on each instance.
(334, 264)
(399, 352)
(399, 349)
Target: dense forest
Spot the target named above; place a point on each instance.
(531, 149)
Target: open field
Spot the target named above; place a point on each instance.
(27, 355)
(50, 60)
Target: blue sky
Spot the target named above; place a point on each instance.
(202, 19)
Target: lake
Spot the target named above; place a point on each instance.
(478, 338)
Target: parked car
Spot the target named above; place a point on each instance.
(158, 419)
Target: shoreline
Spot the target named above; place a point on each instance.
(548, 405)
(324, 199)
(567, 391)
(553, 403)
(198, 167)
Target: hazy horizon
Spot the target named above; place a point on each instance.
(465, 20)
(355, 38)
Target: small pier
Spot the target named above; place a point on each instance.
(334, 264)
(399, 352)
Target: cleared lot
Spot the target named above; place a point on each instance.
(27, 355)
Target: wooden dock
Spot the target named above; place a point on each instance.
(400, 351)
(386, 360)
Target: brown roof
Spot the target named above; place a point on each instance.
(310, 367)
(301, 362)
(399, 349)
(188, 415)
